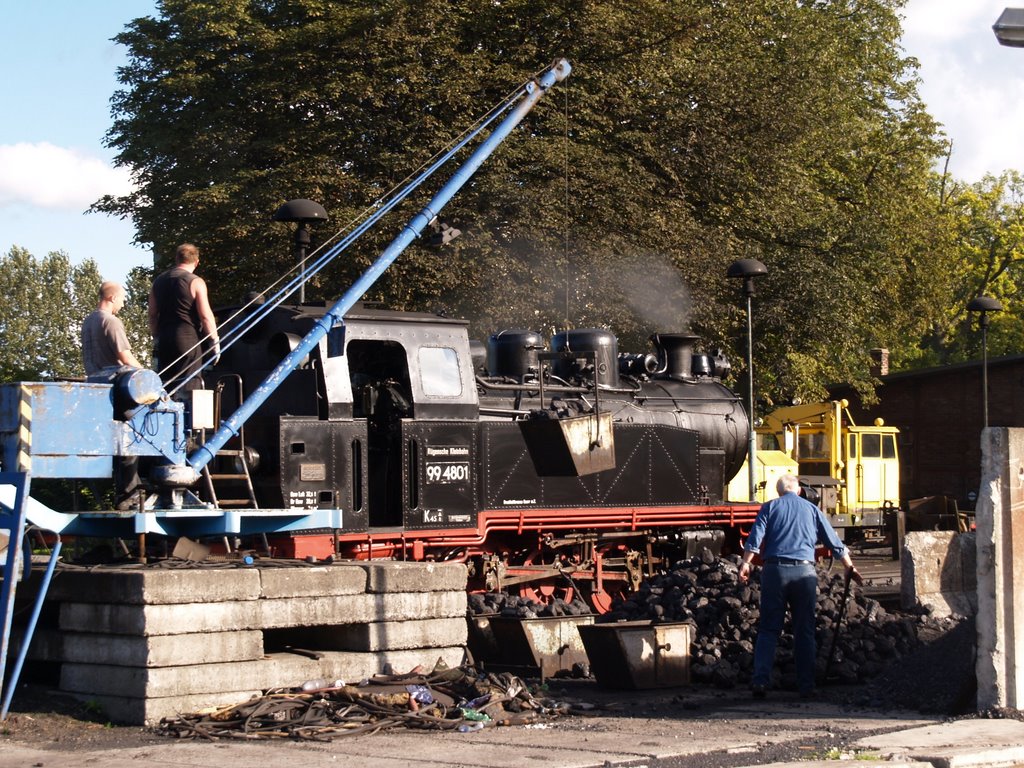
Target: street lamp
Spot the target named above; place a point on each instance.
(983, 305)
(747, 270)
(1009, 27)
(304, 212)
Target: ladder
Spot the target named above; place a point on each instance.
(239, 477)
(231, 464)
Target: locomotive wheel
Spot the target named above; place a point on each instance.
(601, 602)
(546, 593)
(620, 568)
(549, 589)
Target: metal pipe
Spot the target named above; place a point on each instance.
(336, 314)
(984, 369)
(564, 388)
(752, 450)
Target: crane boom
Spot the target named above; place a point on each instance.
(527, 98)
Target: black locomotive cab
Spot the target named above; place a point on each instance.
(412, 381)
(379, 422)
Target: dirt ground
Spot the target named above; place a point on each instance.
(41, 717)
(52, 722)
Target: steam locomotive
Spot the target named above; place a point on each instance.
(547, 467)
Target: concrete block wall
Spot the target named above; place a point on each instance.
(938, 569)
(1000, 522)
(147, 642)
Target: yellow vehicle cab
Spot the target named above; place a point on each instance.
(854, 469)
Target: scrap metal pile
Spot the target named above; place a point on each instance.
(705, 591)
(459, 699)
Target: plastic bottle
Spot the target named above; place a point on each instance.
(320, 683)
(470, 727)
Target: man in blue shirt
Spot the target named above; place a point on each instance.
(785, 534)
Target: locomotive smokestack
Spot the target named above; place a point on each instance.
(675, 354)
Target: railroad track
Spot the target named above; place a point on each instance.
(881, 574)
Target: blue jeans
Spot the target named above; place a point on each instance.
(796, 586)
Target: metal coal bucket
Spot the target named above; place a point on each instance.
(570, 446)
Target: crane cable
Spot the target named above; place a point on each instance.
(324, 255)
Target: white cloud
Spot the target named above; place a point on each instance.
(971, 84)
(943, 21)
(48, 176)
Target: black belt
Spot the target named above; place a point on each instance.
(787, 561)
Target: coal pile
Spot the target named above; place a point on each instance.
(513, 606)
(937, 678)
(706, 592)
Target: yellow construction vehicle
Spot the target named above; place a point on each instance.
(770, 464)
(854, 470)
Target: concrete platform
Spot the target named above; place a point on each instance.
(151, 642)
(958, 744)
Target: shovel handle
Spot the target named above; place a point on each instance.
(839, 622)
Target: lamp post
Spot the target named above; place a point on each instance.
(983, 305)
(747, 270)
(1009, 27)
(304, 212)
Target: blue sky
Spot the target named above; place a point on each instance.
(60, 72)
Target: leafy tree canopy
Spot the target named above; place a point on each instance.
(41, 318)
(691, 133)
(985, 226)
(135, 314)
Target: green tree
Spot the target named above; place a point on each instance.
(691, 133)
(135, 314)
(41, 319)
(986, 227)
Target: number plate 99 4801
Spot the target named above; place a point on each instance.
(447, 472)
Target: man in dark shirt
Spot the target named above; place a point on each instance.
(785, 534)
(181, 320)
